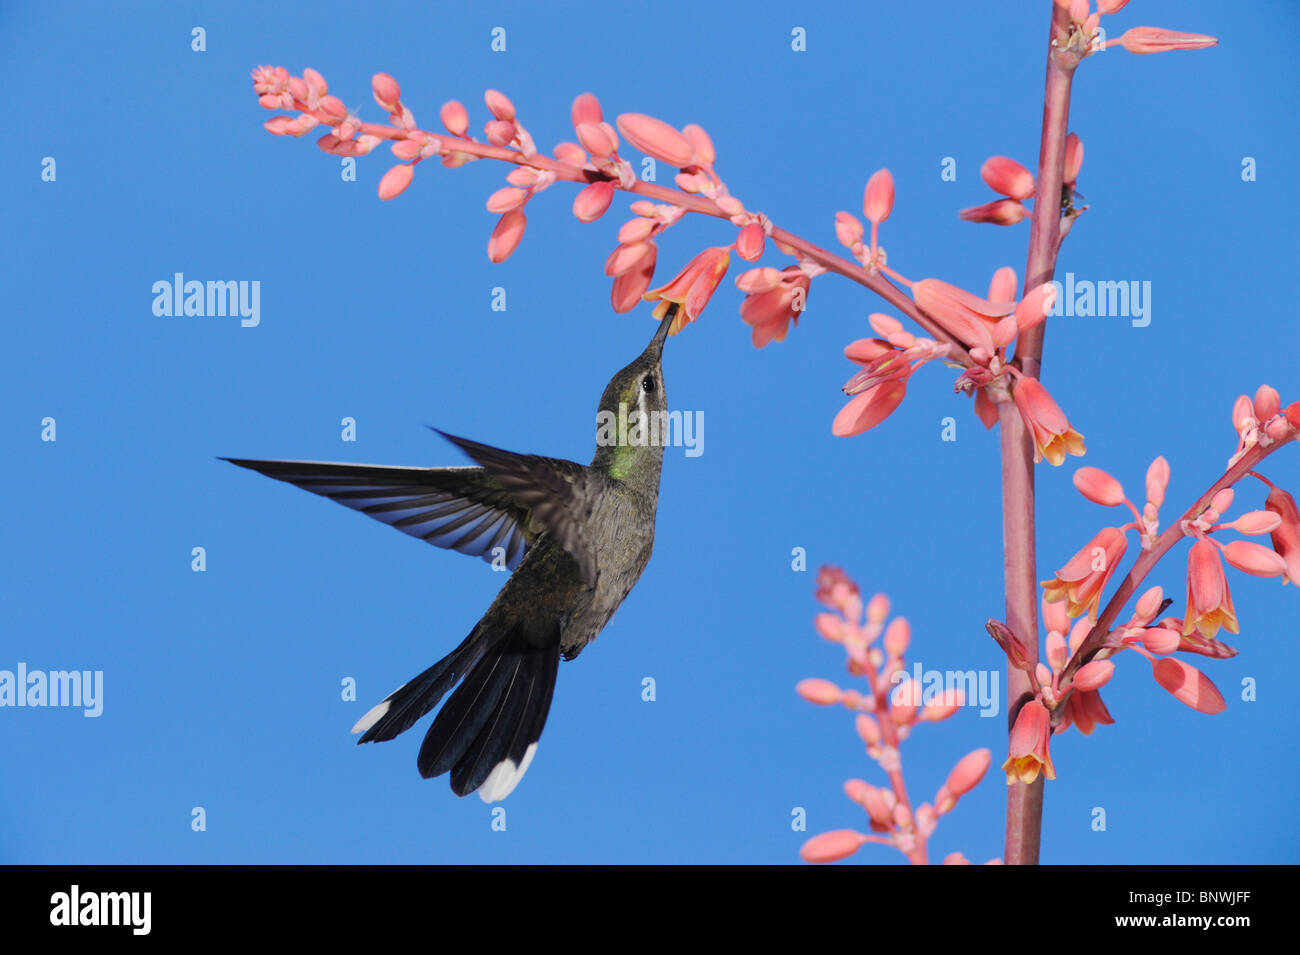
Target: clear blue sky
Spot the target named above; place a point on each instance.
(222, 688)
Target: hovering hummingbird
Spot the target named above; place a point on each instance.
(577, 538)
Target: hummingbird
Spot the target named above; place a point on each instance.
(576, 538)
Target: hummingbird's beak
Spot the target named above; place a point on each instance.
(656, 345)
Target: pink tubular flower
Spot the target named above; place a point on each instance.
(770, 308)
(1053, 436)
(832, 846)
(692, 287)
(963, 315)
(1209, 603)
(868, 409)
(1029, 753)
(1081, 581)
(1085, 709)
(1286, 537)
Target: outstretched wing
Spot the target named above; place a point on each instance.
(463, 509)
(553, 491)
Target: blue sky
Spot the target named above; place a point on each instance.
(222, 688)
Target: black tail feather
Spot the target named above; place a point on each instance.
(487, 733)
(404, 706)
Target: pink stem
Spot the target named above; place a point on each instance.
(1025, 802)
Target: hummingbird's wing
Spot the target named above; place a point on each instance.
(464, 509)
(552, 490)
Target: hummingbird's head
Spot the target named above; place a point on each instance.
(632, 421)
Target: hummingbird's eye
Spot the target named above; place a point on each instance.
(648, 383)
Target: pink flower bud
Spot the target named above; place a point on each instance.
(499, 105)
(821, 692)
(968, 772)
(1188, 685)
(1267, 403)
(1094, 675)
(700, 143)
(1158, 40)
(333, 109)
(847, 229)
(387, 93)
(758, 280)
(1222, 500)
(1157, 481)
(656, 138)
(1257, 522)
(830, 626)
(949, 702)
(1148, 604)
(625, 258)
(1007, 177)
(632, 284)
(596, 140)
(955, 858)
(1161, 639)
(897, 636)
(878, 197)
(395, 181)
(454, 118)
(998, 212)
(1099, 487)
(856, 790)
(1054, 650)
(507, 235)
(505, 199)
(592, 201)
(832, 846)
(1254, 559)
(749, 245)
(499, 132)
(586, 109)
(315, 81)
(868, 729)
(1073, 158)
(636, 230)
(570, 153)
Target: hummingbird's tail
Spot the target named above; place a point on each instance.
(487, 733)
